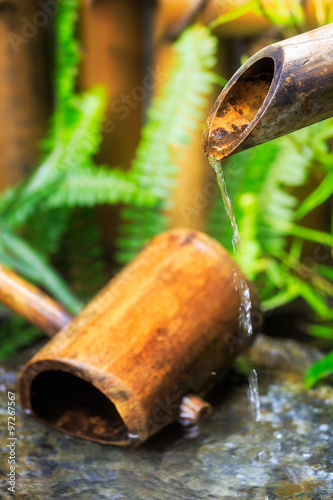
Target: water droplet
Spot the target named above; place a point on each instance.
(253, 395)
(133, 436)
(245, 320)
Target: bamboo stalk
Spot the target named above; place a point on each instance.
(32, 304)
(284, 87)
(50, 317)
(25, 90)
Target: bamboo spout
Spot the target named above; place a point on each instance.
(284, 87)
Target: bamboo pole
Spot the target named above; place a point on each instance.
(25, 90)
(32, 304)
(284, 87)
(50, 317)
(112, 45)
(166, 326)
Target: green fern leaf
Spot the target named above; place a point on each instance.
(171, 118)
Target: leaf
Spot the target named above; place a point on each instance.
(284, 12)
(92, 185)
(321, 331)
(47, 276)
(317, 197)
(253, 6)
(318, 370)
(171, 117)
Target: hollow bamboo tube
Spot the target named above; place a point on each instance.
(50, 317)
(284, 87)
(167, 326)
(29, 302)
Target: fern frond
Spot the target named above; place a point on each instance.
(317, 197)
(91, 185)
(52, 232)
(277, 206)
(71, 153)
(65, 70)
(81, 254)
(171, 117)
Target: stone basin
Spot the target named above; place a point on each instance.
(288, 454)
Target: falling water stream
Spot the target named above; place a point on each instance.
(245, 308)
(245, 322)
(253, 396)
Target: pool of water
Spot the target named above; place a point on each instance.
(287, 454)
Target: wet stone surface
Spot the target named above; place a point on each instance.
(286, 455)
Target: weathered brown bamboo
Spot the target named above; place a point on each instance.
(50, 317)
(193, 409)
(112, 55)
(29, 302)
(166, 326)
(284, 87)
(25, 89)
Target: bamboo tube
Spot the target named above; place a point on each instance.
(29, 302)
(112, 45)
(284, 87)
(167, 326)
(25, 90)
(50, 317)
(111, 58)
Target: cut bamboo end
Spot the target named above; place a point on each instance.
(193, 410)
(284, 87)
(156, 333)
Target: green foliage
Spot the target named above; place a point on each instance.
(324, 366)
(285, 14)
(34, 214)
(261, 184)
(171, 118)
(253, 6)
(81, 254)
(15, 334)
(318, 370)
